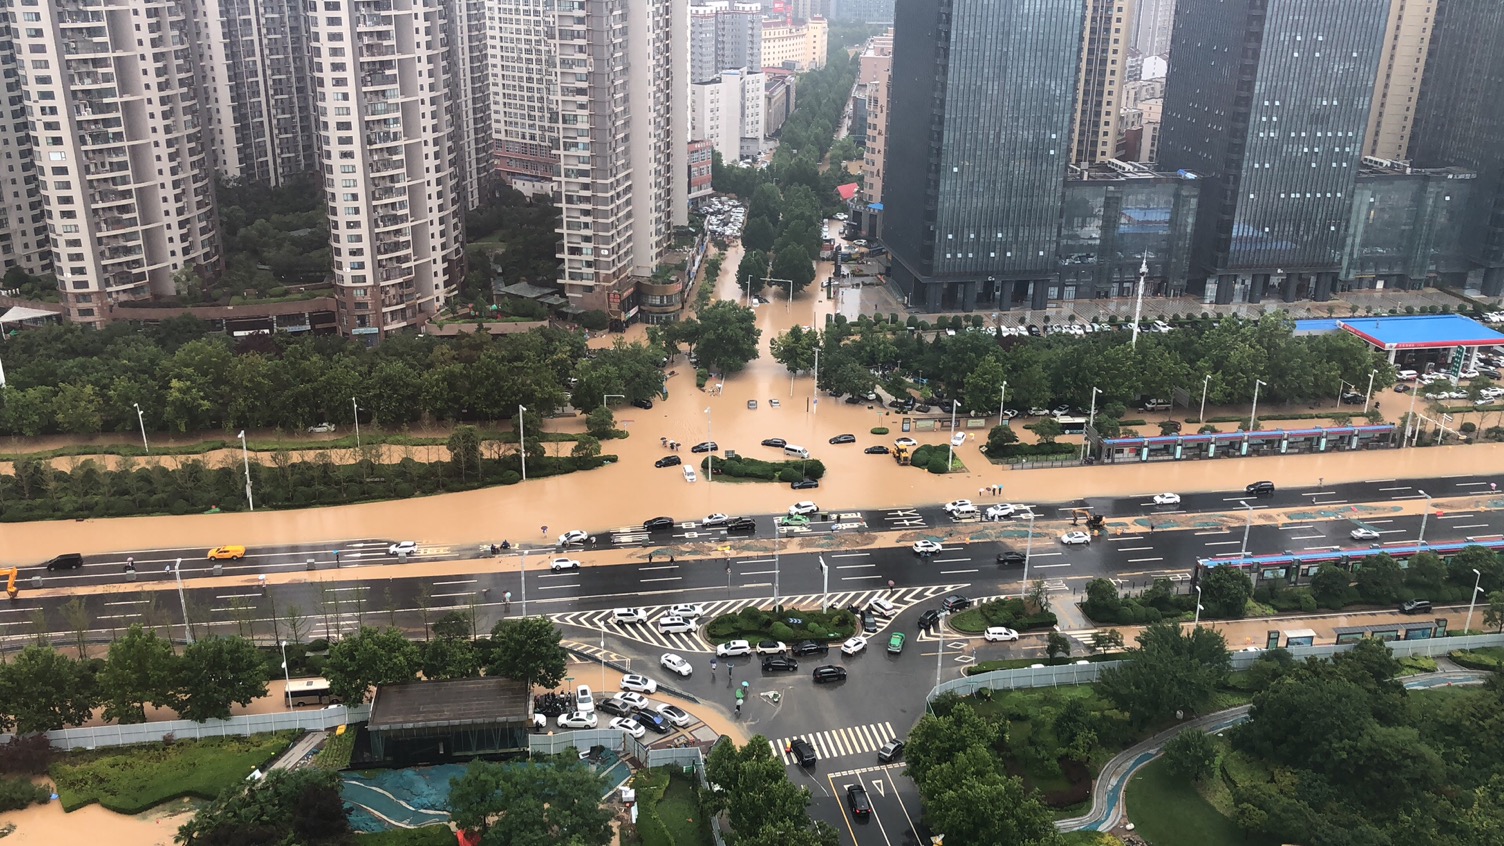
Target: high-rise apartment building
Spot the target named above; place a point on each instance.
(1268, 100)
(874, 79)
(123, 167)
(524, 94)
(1407, 38)
(1153, 22)
(800, 47)
(381, 73)
(1100, 77)
(724, 35)
(470, 99)
(727, 111)
(1460, 119)
(624, 159)
(23, 221)
(257, 95)
(986, 90)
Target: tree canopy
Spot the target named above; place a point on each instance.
(527, 649)
(1171, 672)
(531, 804)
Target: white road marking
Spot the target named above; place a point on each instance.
(1292, 528)
(1217, 532)
(664, 579)
(951, 560)
(1133, 548)
(1228, 543)
(1472, 526)
(854, 566)
(1048, 566)
(1454, 516)
(953, 572)
(1141, 560)
(851, 555)
(1400, 488)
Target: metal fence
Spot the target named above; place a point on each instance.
(95, 737)
(1085, 672)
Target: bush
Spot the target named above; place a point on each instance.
(594, 320)
(755, 624)
(879, 430)
(17, 793)
(131, 779)
(30, 755)
(1001, 612)
(743, 467)
(939, 465)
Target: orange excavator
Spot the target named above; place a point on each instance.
(10, 583)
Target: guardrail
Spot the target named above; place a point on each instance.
(94, 737)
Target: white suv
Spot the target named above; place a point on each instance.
(733, 648)
(805, 507)
(563, 564)
(628, 615)
(674, 625)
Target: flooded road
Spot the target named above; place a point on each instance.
(632, 490)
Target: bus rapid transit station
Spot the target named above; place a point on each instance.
(1241, 444)
(1296, 568)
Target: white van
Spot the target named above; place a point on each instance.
(1406, 375)
(964, 513)
(795, 451)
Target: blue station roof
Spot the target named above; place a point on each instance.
(1425, 331)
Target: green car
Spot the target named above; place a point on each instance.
(793, 520)
(895, 643)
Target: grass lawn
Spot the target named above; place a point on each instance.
(1169, 812)
(680, 812)
(131, 779)
(428, 835)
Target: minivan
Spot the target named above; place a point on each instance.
(795, 451)
(1415, 606)
(1155, 405)
(1260, 489)
(66, 561)
(965, 512)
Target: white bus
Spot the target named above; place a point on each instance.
(299, 691)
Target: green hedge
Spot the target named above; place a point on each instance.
(131, 779)
(1035, 450)
(755, 624)
(743, 467)
(1489, 659)
(879, 430)
(1001, 612)
(17, 793)
(428, 835)
(338, 749)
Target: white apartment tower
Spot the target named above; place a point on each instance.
(23, 222)
(124, 172)
(524, 93)
(258, 100)
(470, 94)
(381, 77)
(623, 129)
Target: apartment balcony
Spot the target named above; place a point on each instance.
(378, 80)
(92, 79)
(116, 223)
(108, 197)
(78, 5)
(72, 17)
(85, 48)
(382, 195)
(126, 240)
(393, 245)
(116, 173)
(382, 107)
(393, 274)
(100, 139)
(378, 167)
(377, 50)
(116, 255)
(381, 139)
(391, 221)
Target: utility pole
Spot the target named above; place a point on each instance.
(1138, 302)
(522, 447)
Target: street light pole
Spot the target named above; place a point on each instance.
(1253, 415)
(141, 419)
(1028, 552)
(246, 459)
(825, 583)
(815, 388)
(1409, 420)
(1091, 419)
(1248, 524)
(1423, 515)
(940, 646)
(1002, 397)
(177, 570)
(1477, 577)
(1204, 383)
(522, 444)
(605, 398)
(1369, 396)
(1197, 622)
(522, 572)
(354, 405)
(286, 676)
(951, 459)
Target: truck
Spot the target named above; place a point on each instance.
(901, 455)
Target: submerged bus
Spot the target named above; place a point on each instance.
(302, 691)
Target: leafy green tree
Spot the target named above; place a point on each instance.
(453, 625)
(531, 804)
(956, 792)
(300, 806)
(450, 658)
(1329, 585)
(791, 261)
(141, 668)
(759, 234)
(1170, 672)
(795, 349)
(527, 650)
(1493, 614)
(1192, 754)
(600, 423)
(1427, 571)
(47, 690)
(464, 450)
(76, 408)
(1000, 438)
(765, 202)
(214, 673)
(728, 337)
(1047, 430)
(369, 658)
(1379, 578)
(1057, 645)
(1225, 592)
(760, 801)
(752, 270)
(935, 740)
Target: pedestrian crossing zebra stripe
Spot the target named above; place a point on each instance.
(838, 743)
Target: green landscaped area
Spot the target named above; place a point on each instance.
(1167, 811)
(430, 835)
(129, 780)
(669, 812)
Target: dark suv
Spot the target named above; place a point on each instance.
(956, 602)
(66, 561)
(929, 619)
(1415, 606)
(803, 752)
(742, 524)
(811, 647)
(1260, 489)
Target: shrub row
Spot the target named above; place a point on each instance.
(1011, 613)
(742, 467)
(788, 625)
(1489, 660)
(1034, 450)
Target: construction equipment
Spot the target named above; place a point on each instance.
(1094, 522)
(10, 583)
(901, 455)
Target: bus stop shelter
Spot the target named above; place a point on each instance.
(424, 722)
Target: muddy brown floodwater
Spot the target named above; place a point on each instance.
(632, 490)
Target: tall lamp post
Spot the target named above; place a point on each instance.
(1002, 396)
(1477, 577)
(1254, 415)
(522, 572)
(286, 676)
(245, 457)
(1248, 524)
(709, 456)
(356, 408)
(951, 458)
(1423, 515)
(177, 570)
(141, 419)
(522, 447)
(1369, 395)
(1091, 419)
(1197, 622)
(825, 583)
(1028, 553)
(1204, 384)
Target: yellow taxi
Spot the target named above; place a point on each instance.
(226, 553)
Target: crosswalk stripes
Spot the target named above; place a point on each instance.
(838, 743)
(690, 642)
(593, 650)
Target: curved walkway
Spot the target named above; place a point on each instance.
(1107, 792)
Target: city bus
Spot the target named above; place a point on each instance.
(300, 691)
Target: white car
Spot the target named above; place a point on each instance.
(805, 507)
(713, 520)
(628, 615)
(578, 720)
(572, 537)
(883, 608)
(1001, 511)
(1075, 538)
(905, 442)
(635, 700)
(772, 647)
(1363, 533)
(956, 505)
(563, 564)
(628, 725)
(997, 634)
(674, 625)
(675, 663)
(687, 610)
(675, 715)
(583, 701)
(321, 428)
(733, 648)
(402, 548)
(641, 684)
(926, 547)
(1167, 499)
(958, 439)
(854, 645)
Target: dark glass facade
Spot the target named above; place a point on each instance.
(1269, 102)
(1111, 224)
(1459, 120)
(1407, 225)
(981, 102)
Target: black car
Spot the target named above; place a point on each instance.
(1415, 606)
(706, 446)
(658, 524)
(742, 524)
(805, 484)
(668, 461)
(829, 673)
(1260, 489)
(876, 450)
(1489, 372)
(1354, 398)
(1170, 427)
(843, 439)
(615, 706)
(891, 751)
(955, 602)
(869, 621)
(653, 722)
(1010, 558)
(779, 664)
(66, 561)
(1402, 388)
(802, 752)
(853, 400)
(929, 619)
(811, 647)
(643, 403)
(775, 442)
(856, 800)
